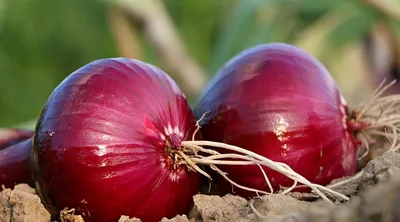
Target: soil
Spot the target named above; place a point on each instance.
(22, 205)
(374, 196)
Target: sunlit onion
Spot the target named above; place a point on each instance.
(104, 141)
(278, 101)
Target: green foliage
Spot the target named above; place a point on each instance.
(358, 23)
(198, 22)
(40, 44)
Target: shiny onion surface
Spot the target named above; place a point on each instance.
(278, 101)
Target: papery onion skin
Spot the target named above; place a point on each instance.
(15, 164)
(100, 143)
(278, 101)
(11, 136)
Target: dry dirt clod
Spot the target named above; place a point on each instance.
(209, 208)
(178, 218)
(233, 208)
(378, 203)
(124, 218)
(22, 205)
(305, 196)
(374, 170)
(278, 204)
(350, 188)
(68, 215)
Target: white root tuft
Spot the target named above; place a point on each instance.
(190, 154)
(382, 114)
(251, 158)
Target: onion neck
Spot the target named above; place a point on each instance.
(354, 128)
(172, 146)
(180, 156)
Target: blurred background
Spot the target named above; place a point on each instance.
(43, 41)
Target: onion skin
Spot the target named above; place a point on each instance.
(11, 136)
(280, 102)
(15, 164)
(15, 156)
(100, 143)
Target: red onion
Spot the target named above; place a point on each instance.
(15, 165)
(278, 101)
(15, 147)
(11, 136)
(105, 143)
